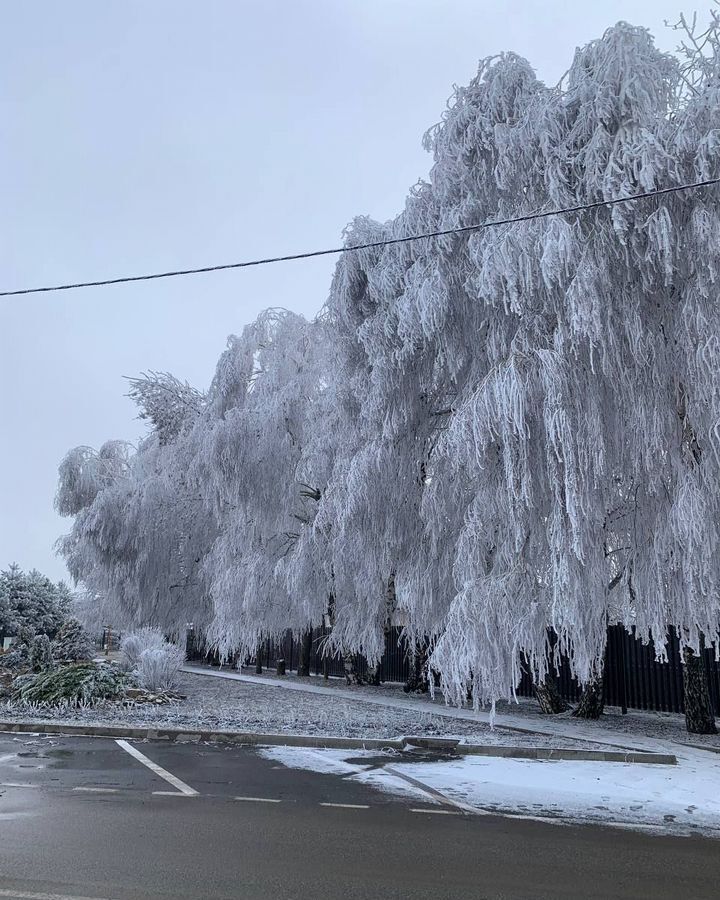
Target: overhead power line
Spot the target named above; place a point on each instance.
(492, 223)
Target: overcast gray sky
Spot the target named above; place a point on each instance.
(140, 136)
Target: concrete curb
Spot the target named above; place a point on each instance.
(341, 743)
(190, 737)
(624, 756)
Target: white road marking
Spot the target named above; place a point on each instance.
(438, 812)
(175, 794)
(347, 805)
(436, 795)
(183, 788)
(29, 895)
(97, 790)
(258, 799)
(18, 784)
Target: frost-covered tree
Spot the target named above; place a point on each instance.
(72, 643)
(263, 407)
(33, 611)
(511, 435)
(32, 601)
(6, 619)
(166, 402)
(140, 533)
(576, 429)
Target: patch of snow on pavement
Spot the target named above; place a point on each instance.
(333, 762)
(674, 799)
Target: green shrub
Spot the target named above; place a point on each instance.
(83, 683)
(72, 643)
(40, 657)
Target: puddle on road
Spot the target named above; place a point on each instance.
(46, 754)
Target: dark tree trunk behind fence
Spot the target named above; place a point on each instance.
(352, 675)
(305, 652)
(373, 674)
(592, 700)
(699, 718)
(417, 680)
(548, 696)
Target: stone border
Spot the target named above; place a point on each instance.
(450, 746)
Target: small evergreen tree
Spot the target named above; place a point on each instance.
(31, 600)
(40, 656)
(72, 643)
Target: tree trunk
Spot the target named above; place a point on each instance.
(352, 676)
(258, 660)
(305, 653)
(548, 696)
(417, 680)
(699, 718)
(373, 675)
(592, 700)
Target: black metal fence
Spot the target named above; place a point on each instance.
(395, 664)
(633, 677)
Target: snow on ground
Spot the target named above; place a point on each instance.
(680, 799)
(336, 762)
(676, 798)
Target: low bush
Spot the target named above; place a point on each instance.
(134, 643)
(79, 684)
(158, 667)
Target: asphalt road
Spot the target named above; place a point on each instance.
(82, 818)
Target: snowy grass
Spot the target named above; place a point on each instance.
(613, 726)
(222, 705)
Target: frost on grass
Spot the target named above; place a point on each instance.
(221, 705)
(517, 427)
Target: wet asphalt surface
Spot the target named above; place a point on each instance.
(79, 818)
